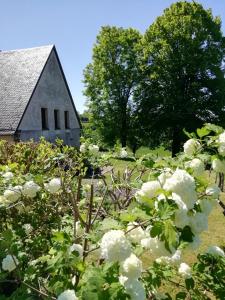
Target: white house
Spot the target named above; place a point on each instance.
(35, 99)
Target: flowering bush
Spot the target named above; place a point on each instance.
(67, 237)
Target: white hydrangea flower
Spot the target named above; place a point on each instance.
(221, 142)
(53, 186)
(100, 184)
(156, 247)
(216, 251)
(148, 190)
(67, 295)
(136, 234)
(8, 175)
(194, 245)
(94, 149)
(197, 166)
(171, 260)
(83, 148)
(28, 228)
(218, 165)
(207, 205)
(184, 270)
(9, 263)
(30, 189)
(191, 146)
(123, 153)
(198, 223)
(78, 248)
(79, 229)
(133, 288)
(166, 173)
(13, 194)
(213, 191)
(87, 187)
(221, 149)
(181, 218)
(182, 184)
(114, 246)
(221, 138)
(131, 267)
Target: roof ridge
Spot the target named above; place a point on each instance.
(27, 49)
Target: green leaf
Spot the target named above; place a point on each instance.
(170, 234)
(157, 229)
(203, 132)
(189, 283)
(127, 217)
(186, 234)
(181, 296)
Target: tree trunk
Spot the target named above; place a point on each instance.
(176, 142)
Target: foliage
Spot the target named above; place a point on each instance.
(110, 81)
(184, 84)
(64, 236)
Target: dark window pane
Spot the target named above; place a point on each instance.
(56, 117)
(67, 120)
(44, 118)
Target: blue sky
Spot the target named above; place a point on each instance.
(72, 25)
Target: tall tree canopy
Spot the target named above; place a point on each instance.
(110, 82)
(184, 81)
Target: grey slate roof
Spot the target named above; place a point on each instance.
(19, 73)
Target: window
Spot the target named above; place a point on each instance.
(44, 118)
(56, 118)
(67, 120)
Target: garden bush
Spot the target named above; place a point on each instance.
(66, 237)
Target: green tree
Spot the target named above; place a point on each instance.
(184, 84)
(110, 82)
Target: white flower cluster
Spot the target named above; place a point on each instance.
(156, 246)
(197, 166)
(7, 175)
(218, 165)
(183, 192)
(114, 246)
(93, 149)
(135, 232)
(183, 184)
(184, 270)
(148, 191)
(133, 287)
(216, 251)
(30, 189)
(67, 295)
(123, 153)
(9, 263)
(221, 142)
(13, 193)
(83, 148)
(191, 146)
(28, 228)
(53, 186)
